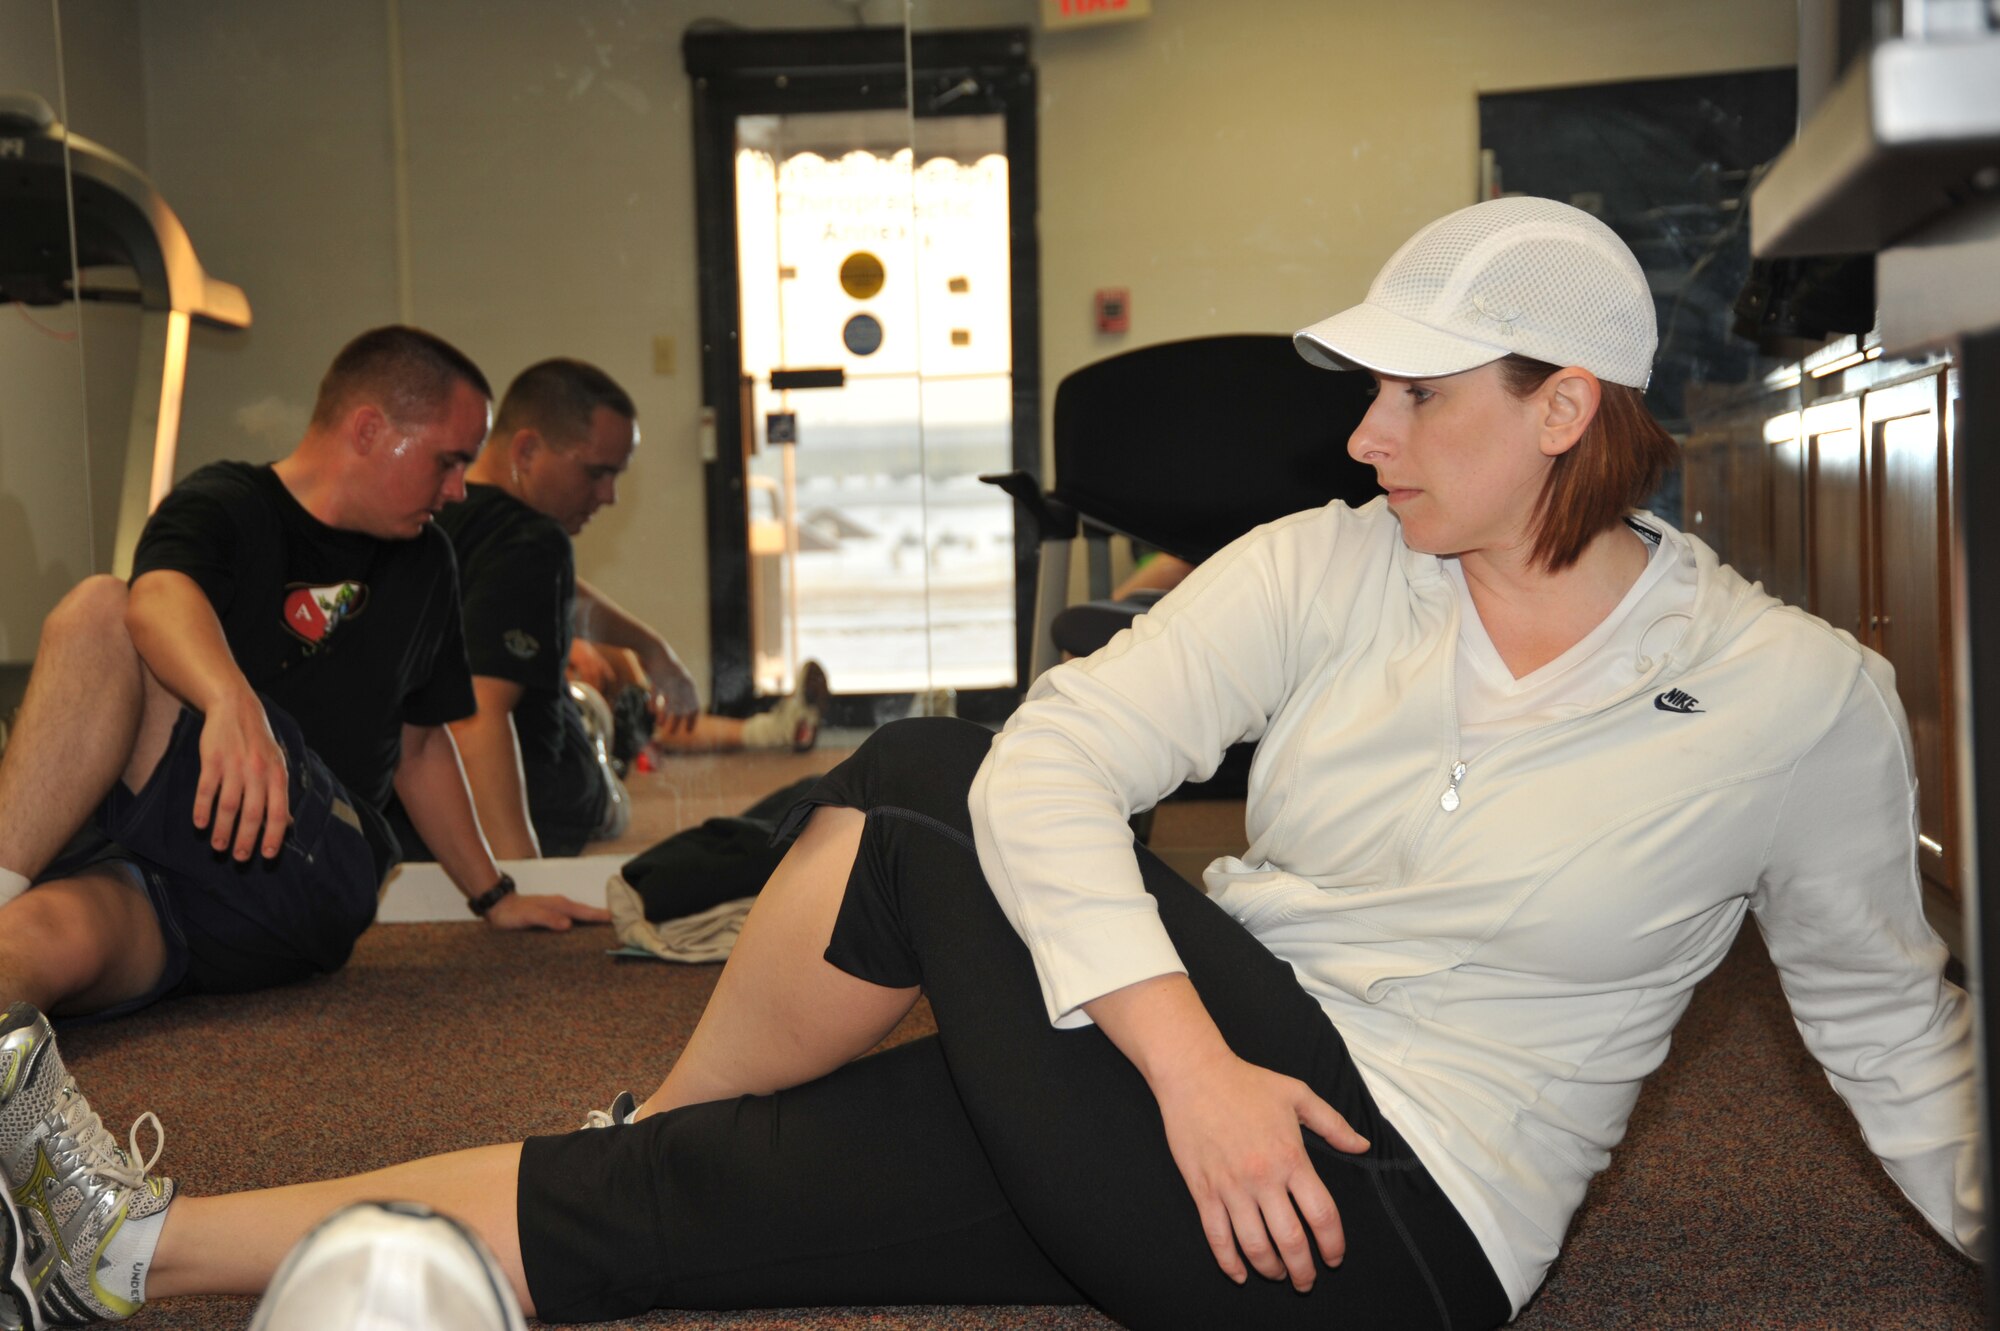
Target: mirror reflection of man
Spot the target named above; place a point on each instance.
(564, 434)
(288, 650)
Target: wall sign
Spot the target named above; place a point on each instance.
(1081, 13)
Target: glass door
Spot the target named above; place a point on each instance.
(877, 372)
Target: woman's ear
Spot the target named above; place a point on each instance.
(1569, 400)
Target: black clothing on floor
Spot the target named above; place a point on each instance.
(720, 860)
(352, 635)
(1002, 1161)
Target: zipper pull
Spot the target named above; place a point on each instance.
(1449, 800)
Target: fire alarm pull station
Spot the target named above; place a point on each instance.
(1114, 310)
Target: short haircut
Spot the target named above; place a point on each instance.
(1605, 475)
(557, 398)
(407, 372)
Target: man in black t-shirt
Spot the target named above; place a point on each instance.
(564, 434)
(288, 651)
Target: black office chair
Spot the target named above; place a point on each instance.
(1183, 446)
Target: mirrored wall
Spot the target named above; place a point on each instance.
(47, 520)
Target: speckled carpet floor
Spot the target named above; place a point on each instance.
(1742, 1199)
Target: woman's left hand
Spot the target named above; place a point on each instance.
(1234, 1130)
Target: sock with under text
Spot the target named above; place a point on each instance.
(130, 1252)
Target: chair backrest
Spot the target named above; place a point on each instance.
(1187, 445)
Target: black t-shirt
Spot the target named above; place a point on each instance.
(517, 571)
(353, 635)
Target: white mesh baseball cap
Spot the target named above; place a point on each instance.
(1523, 275)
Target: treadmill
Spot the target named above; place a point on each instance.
(128, 247)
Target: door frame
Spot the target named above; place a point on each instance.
(740, 73)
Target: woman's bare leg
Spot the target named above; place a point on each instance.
(780, 1014)
(233, 1245)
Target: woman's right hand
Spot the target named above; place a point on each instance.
(1233, 1129)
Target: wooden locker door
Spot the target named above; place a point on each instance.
(1909, 618)
(1749, 515)
(1704, 462)
(1836, 516)
(1788, 509)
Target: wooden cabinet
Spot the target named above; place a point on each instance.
(1836, 522)
(1909, 616)
(1786, 578)
(1843, 507)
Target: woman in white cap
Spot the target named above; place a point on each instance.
(1526, 758)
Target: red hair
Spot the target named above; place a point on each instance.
(1605, 475)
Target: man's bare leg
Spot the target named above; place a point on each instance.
(80, 944)
(703, 734)
(93, 715)
(780, 1014)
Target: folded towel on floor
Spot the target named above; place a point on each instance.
(705, 936)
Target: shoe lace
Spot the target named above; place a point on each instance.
(100, 1149)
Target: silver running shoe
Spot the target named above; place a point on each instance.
(71, 1186)
(621, 1112)
(17, 1296)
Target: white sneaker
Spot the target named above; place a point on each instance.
(622, 1111)
(389, 1266)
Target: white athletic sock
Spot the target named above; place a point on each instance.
(11, 885)
(131, 1250)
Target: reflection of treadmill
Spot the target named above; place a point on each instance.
(120, 223)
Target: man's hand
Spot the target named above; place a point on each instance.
(676, 702)
(515, 911)
(242, 798)
(1233, 1128)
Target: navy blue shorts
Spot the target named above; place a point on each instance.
(232, 927)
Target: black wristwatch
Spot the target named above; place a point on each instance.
(490, 898)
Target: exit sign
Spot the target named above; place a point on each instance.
(1078, 13)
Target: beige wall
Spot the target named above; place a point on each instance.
(549, 169)
(1238, 168)
(1249, 174)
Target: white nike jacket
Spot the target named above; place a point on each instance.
(1506, 973)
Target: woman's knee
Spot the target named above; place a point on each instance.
(939, 751)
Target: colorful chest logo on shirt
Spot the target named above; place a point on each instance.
(313, 613)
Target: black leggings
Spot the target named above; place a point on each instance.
(1000, 1161)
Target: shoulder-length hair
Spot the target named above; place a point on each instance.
(1605, 475)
